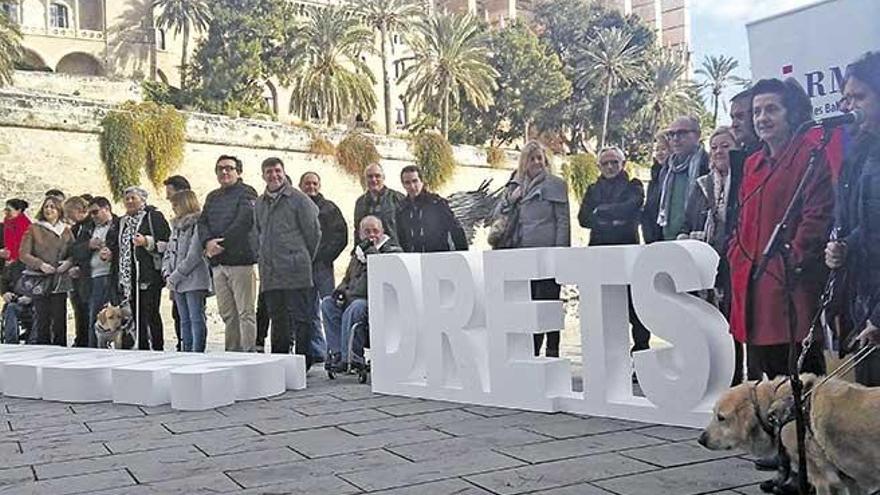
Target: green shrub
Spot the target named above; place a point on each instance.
(434, 156)
(321, 146)
(355, 153)
(580, 172)
(139, 136)
(495, 157)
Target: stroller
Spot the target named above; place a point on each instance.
(359, 339)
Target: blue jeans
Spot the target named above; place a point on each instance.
(100, 295)
(324, 284)
(338, 323)
(11, 312)
(193, 328)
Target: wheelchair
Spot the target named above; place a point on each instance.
(360, 334)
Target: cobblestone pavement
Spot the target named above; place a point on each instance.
(337, 437)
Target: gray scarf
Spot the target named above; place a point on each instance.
(677, 165)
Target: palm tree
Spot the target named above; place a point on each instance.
(386, 16)
(329, 77)
(10, 48)
(610, 60)
(450, 59)
(183, 16)
(667, 91)
(718, 74)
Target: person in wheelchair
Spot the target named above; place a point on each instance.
(17, 311)
(347, 305)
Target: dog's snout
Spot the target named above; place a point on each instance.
(704, 439)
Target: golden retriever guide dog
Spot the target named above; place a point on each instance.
(843, 431)
(110, 326)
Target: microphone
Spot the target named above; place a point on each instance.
(853, 117)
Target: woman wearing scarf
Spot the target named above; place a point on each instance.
(186, 271)
(15, 224)
(540, 200)
(136, 246)
(45, 250)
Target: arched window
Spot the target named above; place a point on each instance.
(59, 16)
(160, 39)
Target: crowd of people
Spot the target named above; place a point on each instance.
(731, 197)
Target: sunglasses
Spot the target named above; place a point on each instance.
(679, 133)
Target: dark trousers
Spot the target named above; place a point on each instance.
(79, 300)
(262, 320)
(291, 315)
(640, 335)
(738, 363)
(150, 328)
(50, 326)
(175, 315)
(772, 360)
(868, 371)
(546, 290)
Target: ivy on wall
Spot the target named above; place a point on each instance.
(141, 136)
(434, 156)
(355, 153)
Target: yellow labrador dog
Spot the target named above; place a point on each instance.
(843, 437)
(110, 326)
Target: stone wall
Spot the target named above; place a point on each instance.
(93, 88)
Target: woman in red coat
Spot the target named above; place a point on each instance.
(760, 308)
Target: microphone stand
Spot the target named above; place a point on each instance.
(779, 244)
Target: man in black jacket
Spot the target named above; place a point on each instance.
(334, 238)
(226, 229)
(94, 268)
(379, 201)
(425, 223)
(611, 209)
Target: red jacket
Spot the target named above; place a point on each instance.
(759, 309)
(13, 233)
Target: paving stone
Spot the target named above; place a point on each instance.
(578, 447)
(559, 473)
(479, 426)
(197, 485)
(445, 487)
(86, 483)
(324, 442)
(578, 427)
(752, 489)
(427, 420)
(105, 411)
(15, 476)
(152, 431)
(26, 422)
(299, 422)
(697, 478)
(307, 400)
(352, 392)
(165, 439)
(352, 405)
(299, 472)
(421, 472)
(44, 432)
(159, 469)
(9, 448)
(53, 454)
(581, 489)
(464, 445)
(491, 412)
(215, 422)
(671, 433)
(109, 462)
(254, 410)
(420, 407)
(677, 454)
(309, 485)
(179, 417)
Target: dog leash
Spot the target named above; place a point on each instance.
(845, 367)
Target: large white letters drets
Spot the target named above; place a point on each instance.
(458, 326)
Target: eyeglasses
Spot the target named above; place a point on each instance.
(609, 162)
(224, 170)
(679, 133)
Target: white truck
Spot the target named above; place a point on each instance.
(814, 44)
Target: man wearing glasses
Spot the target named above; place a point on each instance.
(226, 230)
(679, 174)
(93, 258)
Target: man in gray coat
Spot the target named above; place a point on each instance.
(289, 233)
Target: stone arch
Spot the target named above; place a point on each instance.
(270, 96)
(79, 64)
(32, 61)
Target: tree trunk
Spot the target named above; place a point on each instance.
(607, 111)
(526, 130)
(386, 83)
(444, 120)
(717, 95)
(183, 56)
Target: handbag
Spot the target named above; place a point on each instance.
(32, 284)
(502, 230)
